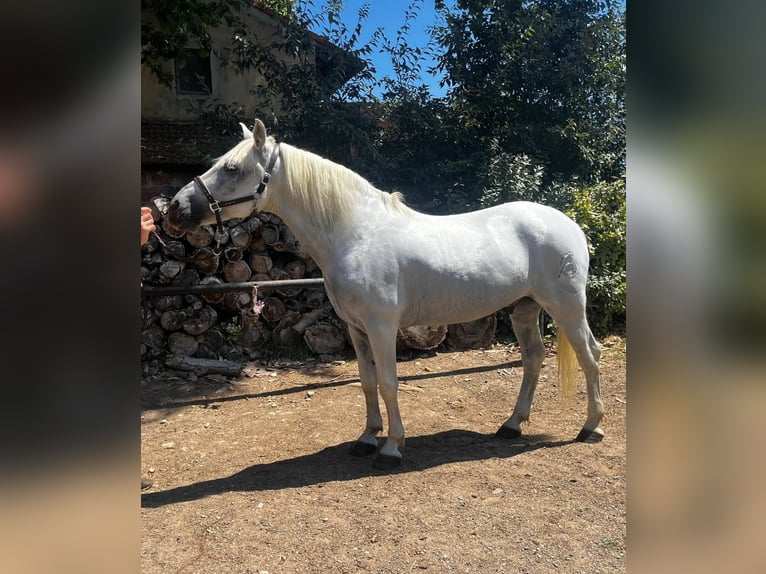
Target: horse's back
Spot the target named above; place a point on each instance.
(457, 268)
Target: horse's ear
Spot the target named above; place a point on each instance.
(246, 133)
(259, 134)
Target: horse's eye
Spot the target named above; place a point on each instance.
(231, 168)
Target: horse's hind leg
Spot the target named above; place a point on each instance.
(524, 319)
(588, 352)
(367, 443)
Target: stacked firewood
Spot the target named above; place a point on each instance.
(233, 325)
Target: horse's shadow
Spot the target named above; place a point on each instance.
(334, 463)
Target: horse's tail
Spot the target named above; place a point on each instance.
(567, 362)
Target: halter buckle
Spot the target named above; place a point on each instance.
(215, 206)
(266, 177)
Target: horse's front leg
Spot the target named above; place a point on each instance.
(383, 345)
(367, 443)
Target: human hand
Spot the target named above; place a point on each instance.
(147, 224)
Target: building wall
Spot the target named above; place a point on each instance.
(162, 102)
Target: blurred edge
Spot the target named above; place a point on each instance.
(69, 286)
(697, 286)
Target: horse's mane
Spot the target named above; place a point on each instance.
(326, 191)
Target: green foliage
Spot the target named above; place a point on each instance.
(233, 328)
(600, 212)
(544, 78)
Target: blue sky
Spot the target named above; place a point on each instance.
(389, 14)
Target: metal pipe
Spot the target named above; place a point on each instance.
(226, 287)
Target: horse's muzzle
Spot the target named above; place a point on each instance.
(187, 211)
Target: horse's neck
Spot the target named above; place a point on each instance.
(318, 239)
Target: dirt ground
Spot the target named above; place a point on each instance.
(253, 475)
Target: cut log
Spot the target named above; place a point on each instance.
(289, 331)
(254, 333)
(201, 321)
(237, 271)
(194, 303)
(257, 244)
(421, 338)
(189, 276)
(154, 336)
(200, 237)
(182, 344)
(315, 298)
(261, 263)
(205, 259)
(235, 301)
(296, 269)
(324, 339)
(171, 268)
(240, 237)
(172, 319)
(204, 366)
(288, 243)
(294, 303)
(253, 225)
(279, 274)
(214, 338)
(273, 309)
(165, 302)
(472, 335)
(270, 234)
(174, 249)
(283, 334)
(212, 297)
(232, 254)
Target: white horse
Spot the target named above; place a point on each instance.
(386, 265)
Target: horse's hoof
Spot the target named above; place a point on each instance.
(590, 436)
(507, 432)
(386, 462)
(363, 449)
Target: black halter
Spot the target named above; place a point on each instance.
(216, 206)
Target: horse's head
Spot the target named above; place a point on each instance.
(233, 187)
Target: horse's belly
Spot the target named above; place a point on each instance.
(459, 305)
